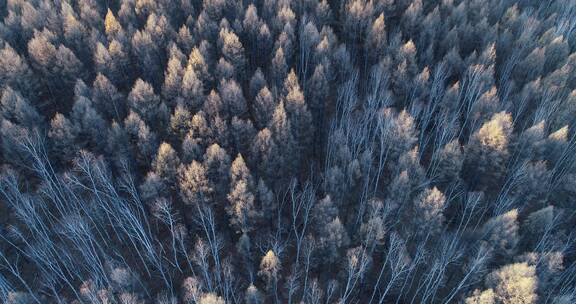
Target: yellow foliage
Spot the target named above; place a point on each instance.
(495, 133)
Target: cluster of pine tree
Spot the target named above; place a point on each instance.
(278, 151)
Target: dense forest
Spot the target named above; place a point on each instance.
(283, 151)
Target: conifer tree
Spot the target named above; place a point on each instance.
(428, 207)
(180, 122)
(376, 38)
(194, 186)
(263, 107)
(63, 136)
(144, 141)
(107, 98)
(18, 109)
(192, 91)
(143, 101)
(89, 122)
(166, 163)
(232, 50)
(487, 154)
(269, 267)
(16, 73)
(217, 165)
(502, 232)
(514, 283)
(241, 197)
(232, 98)
(282, 134)
(298, 113)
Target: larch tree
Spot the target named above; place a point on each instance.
(263, 153)
(16, 72)
(197, 60)
(107, 98)
(144, 141)
(63, 135)
(514, 284)
(225, 70)
(279, 151)
(253, 295)
(75, 33)
(232, 98)
(242, 209)
(180, 122)
(263, 107)
(501, 233)
(270, 267)
(173, 77)
(194, 186)
(184, 39)
(449, 163)
(201, 129)
(481, 297)
(298, 113)
(376, 39)
(192, 90)
(217, 164)
(147, 55)
(428, 218)
(279, 67)
(213, 105)
(57, 63)
(211, 298)
(251, 25)
(332, 235)
(282, 133)
(242, 132)
(318, 92)
(89, 122)
(143, 101)
(17, 108)
(487, 153)
(166, 163)
(113, 28)
(257, 82)
(232, 50)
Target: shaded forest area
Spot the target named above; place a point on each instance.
(278, 151)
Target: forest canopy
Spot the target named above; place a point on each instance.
(279, 151)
